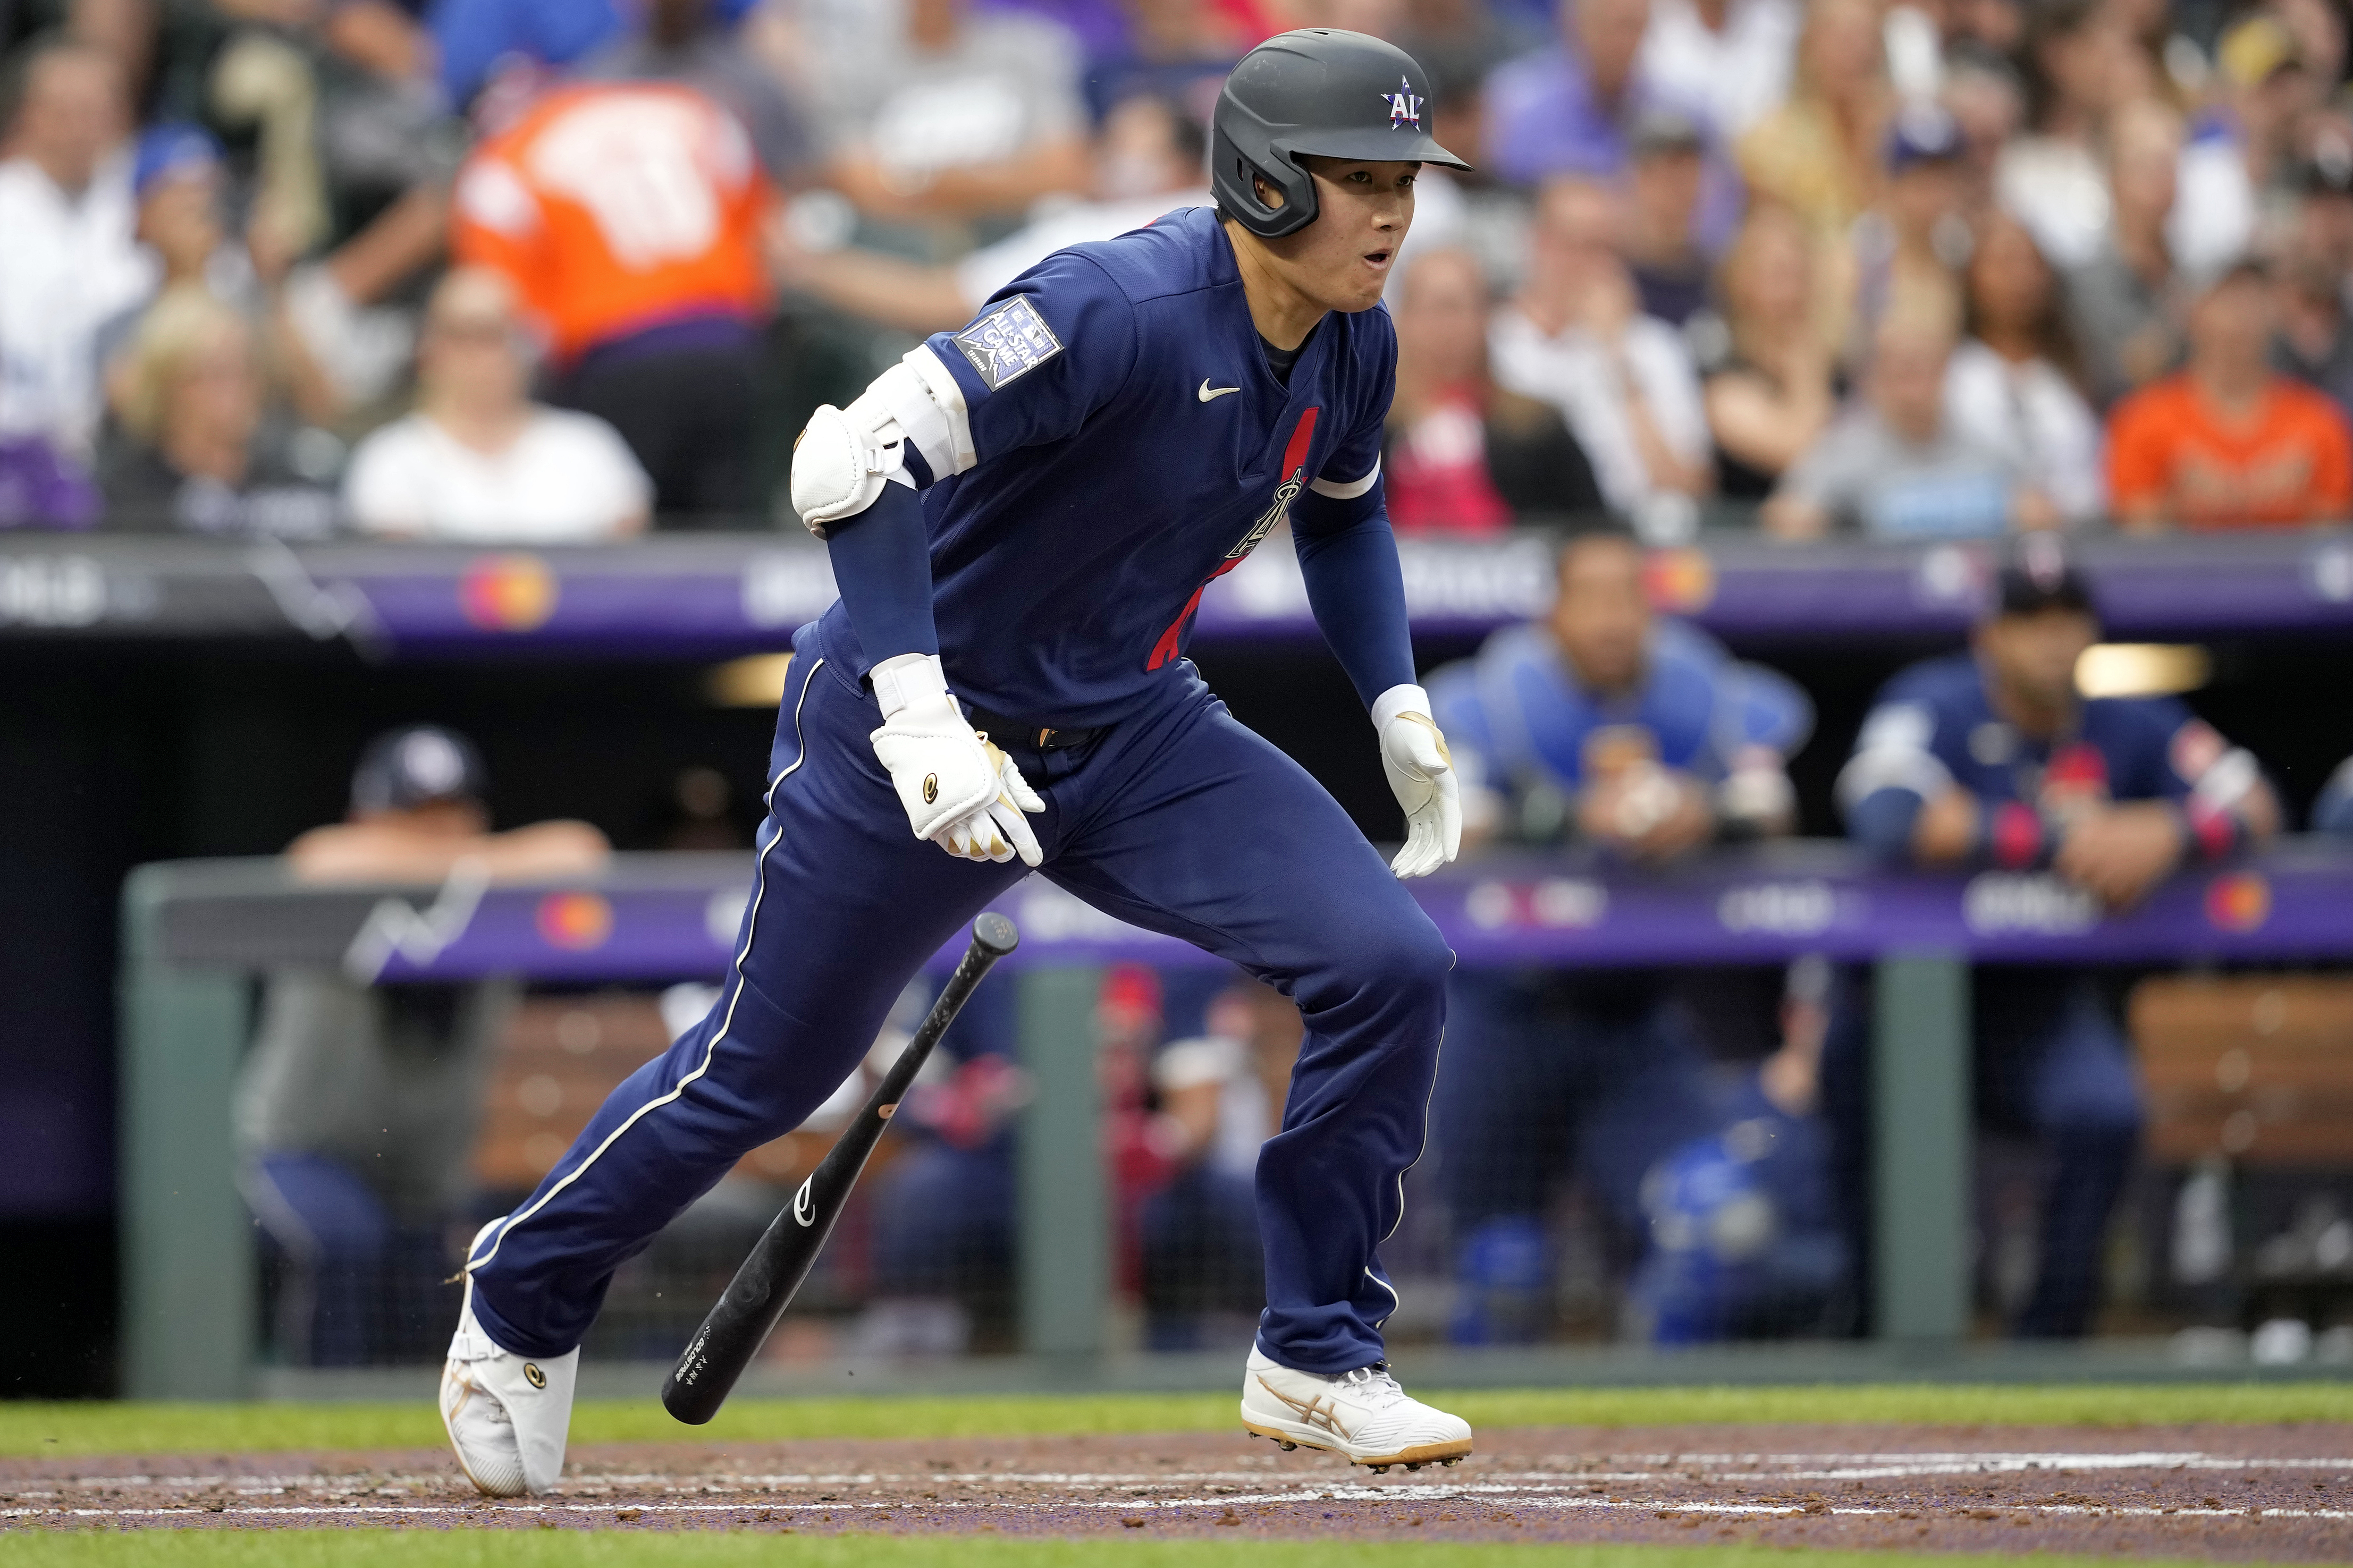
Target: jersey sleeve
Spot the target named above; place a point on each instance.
(1901, 747)
(1353, 463)
(1047, 352)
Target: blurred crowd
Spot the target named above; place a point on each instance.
(549, 271)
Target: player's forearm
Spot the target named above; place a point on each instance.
(1357, 593)
(883, 565)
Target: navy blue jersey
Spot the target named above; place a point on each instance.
(1933, 727)
(1120, 442)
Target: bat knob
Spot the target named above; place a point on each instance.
(994, 934)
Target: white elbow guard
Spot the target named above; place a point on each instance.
(846, 456)
(840, 464)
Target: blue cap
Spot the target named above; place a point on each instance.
(1923, 133)
(415, 766)
(168, 150)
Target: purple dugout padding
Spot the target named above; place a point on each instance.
(717, 595)
(656, 921)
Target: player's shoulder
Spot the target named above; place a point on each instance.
(1181, 252)
(1951, 683)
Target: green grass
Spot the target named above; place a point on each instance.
(100, 1428)
(534, 1549)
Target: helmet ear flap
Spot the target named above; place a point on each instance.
(1231, 177)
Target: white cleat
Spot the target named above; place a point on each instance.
(507, 1415)
(1363, 1416)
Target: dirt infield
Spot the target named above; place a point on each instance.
(2271, 1493)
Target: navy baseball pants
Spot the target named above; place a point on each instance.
(1176, 819)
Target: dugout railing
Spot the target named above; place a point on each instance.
(195, 933)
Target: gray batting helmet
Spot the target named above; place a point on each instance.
(1318, 91)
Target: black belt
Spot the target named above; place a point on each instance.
(1035, 737)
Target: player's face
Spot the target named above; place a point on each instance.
(2034, 656)
(1342, 260)
(1601, 619)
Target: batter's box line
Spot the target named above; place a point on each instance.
(1521, 1496)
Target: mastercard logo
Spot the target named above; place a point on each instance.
(1679, 581)
(2242, 901)
(574, 920)
(508, 592)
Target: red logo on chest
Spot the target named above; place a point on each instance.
(1294, 479)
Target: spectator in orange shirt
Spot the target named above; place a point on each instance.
(2229, 442)
(628, 217)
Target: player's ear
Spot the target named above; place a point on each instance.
(1271, 195)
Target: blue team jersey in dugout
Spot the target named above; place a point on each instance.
(1517, 717)
(1935, 726)
(1120, 443)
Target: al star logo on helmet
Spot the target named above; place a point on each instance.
(1405, 108)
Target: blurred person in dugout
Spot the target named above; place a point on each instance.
(1643, 741)
(1990, 762)
(358, 1105)
(627, 215)
(2228, 441)
(1219, 1096)
(479, 461)
(1464, 456)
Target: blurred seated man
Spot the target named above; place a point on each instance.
(197, 451)
(1895, 466)
(627, 217)
(1220, 1096)
(968, 112)
(2332, 811)
(1647, 741)
(1743, 1238)
(1989, 762)
(2229, 442)
(1462, 456)
(1147, 162)
(941, 1231)
(357, 1108)
(479, 461)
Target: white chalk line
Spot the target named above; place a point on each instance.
(1717, 1467)
(1521, 1494)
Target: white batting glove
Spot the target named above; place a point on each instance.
(1421, 775)
(960, 793)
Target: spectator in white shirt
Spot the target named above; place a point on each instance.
(68, 261)
(1576, 337)
(1733, 56)
(2015, 382)
(1147, 163)
(964, 114)
(479, 461)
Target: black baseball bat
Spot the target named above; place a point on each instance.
(736, 1327)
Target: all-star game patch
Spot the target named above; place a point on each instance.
(1009, 341)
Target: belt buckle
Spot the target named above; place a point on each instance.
(1045, 738)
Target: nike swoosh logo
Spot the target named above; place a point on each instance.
(1208, 392)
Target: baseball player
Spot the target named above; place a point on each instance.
(1989, 761)
(1022, 517)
